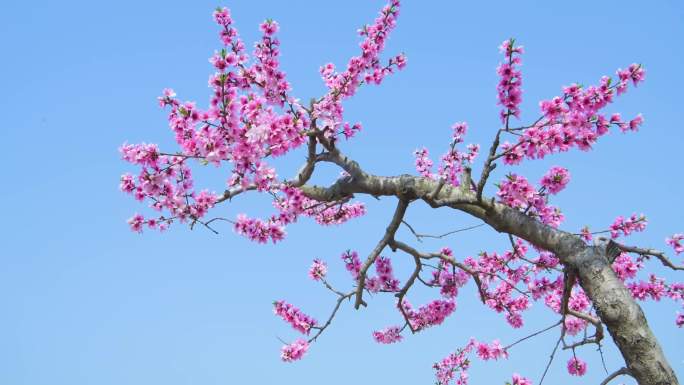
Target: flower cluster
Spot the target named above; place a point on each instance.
(555, 179)
(167, 182)
(352, 263)
(453, 162)
(423, 162)
(388, 335)
(290, 314)
(625, 267)
(656, 289)
(454, 367)
(573, 120)
(675, 241)
(492, 351)
(259, 230)
(318, 270)
(385, 279)
(577, 367)
(518, 193)
(447, 278)
(520, 380)
(508, 89)
(431, 314)
(294, 351)
(627, 226)
(365, 68)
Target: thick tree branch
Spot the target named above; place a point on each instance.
(613, 301)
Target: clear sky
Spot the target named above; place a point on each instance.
(86, 301)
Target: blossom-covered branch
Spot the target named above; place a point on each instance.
(253, 117)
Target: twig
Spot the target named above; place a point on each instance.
(532, 335)
(649, 252)
(553, 353)
(332, 315)
(419, 236)
(619, 372)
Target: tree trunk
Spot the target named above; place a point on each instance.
(613, 302)
(624, 318)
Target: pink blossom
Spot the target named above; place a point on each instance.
(493, 351)
(290, 314)
(556, 179)
(222, 16)
(520, 380)
(577, 367)
(127, 183)
(636, 122)
(423, 162)
(364, 68)
(676, 242)
(269, 27)
(586, 234)
(574, 325)
(509, 91)
(318, 270)
(627, 226)
(625, 267)
(352, 263)
(432, 314)
(385, 278)
(453, 365)
(294, 351)
(388, 335)
(136, 222)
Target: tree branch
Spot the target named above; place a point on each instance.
(650, 253)
(619, 372)
(389, 235)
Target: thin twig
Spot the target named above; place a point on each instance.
(419, 236)
(619, 372)
(553, 353)
(532, 335)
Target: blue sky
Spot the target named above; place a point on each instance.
(85, 301)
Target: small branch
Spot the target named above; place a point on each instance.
(409, 282)
(420, 236)
(619, 372)
(553, 353)
(230, 193)
(389, 236)
(519, 255)
(488, 166)
(450, 260)
(649, 253)
(332, 315)
(532, 335)
(307, 169)
(329, 287)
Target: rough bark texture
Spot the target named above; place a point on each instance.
(623, 317)
(614, 304)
